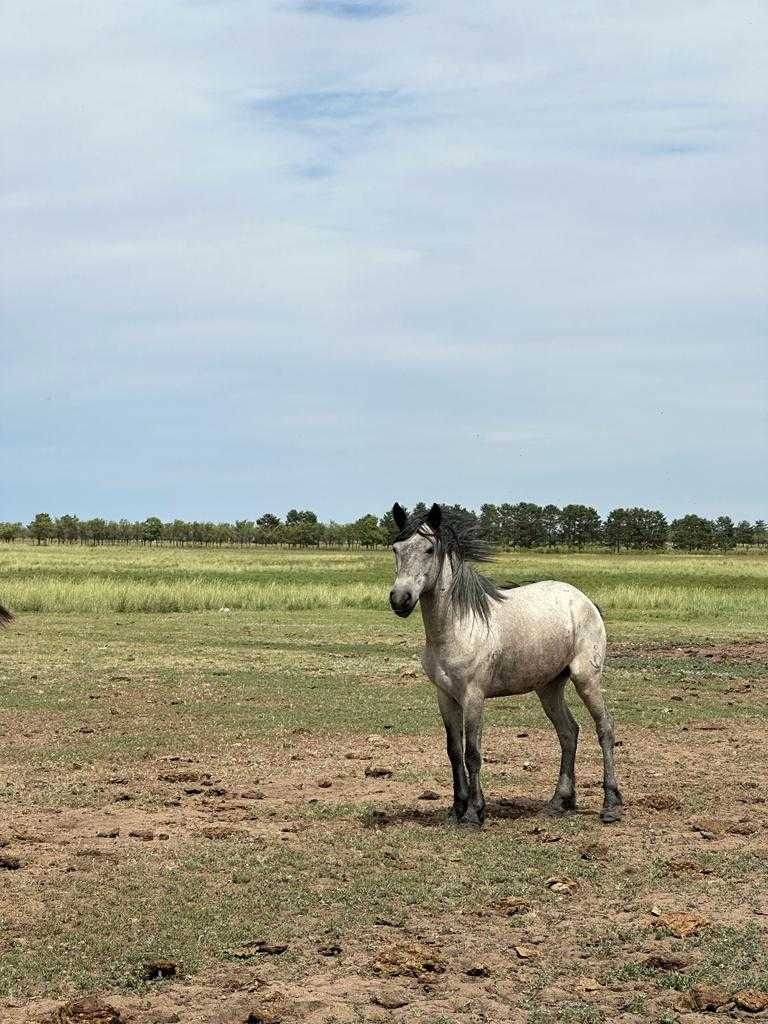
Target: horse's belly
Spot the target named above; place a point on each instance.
(530, 668)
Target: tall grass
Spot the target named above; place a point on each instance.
(60, 594)
(102, 580)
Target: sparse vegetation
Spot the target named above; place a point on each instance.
(160, 784)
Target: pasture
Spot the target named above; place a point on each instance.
(229, 761)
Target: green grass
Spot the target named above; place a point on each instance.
(656, 587)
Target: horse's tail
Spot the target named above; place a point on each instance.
(5, 616)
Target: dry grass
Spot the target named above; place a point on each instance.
(673, 587)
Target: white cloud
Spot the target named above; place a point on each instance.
(313, 202)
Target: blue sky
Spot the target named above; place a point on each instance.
(328, 254)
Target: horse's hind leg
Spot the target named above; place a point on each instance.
(553, 701)
(586, 678)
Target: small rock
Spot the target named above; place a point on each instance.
(9, 863)
(108, 833)
(478, 971)
(88, 1010)
(753, 1000)
(709, 828)
(377, 772)
(142, 833)
(390, 999)
(708, 997)
(514, 906)
(590, 985)
(681, 925)
(524, 952)
(324, 783)
(330, 950)
(562, 885)
(429, 794)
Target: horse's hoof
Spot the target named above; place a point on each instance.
(558, 808)
(610, 815)
(470, 821)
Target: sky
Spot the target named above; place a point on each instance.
(327, 254)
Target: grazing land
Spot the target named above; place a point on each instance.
(226, 767)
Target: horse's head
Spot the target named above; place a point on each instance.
(417, 560)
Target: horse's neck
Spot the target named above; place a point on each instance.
(437, 609)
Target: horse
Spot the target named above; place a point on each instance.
(486, 641)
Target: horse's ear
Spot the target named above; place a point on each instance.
(434, 516)
(399, 515)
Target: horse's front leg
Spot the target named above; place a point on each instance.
(473, 757)
(453, 719)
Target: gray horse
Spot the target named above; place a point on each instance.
(484, 641)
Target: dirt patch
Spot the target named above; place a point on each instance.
(748, 651)
(567, 900)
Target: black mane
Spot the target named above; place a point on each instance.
(460, 542)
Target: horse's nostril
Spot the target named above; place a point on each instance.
(407, 597)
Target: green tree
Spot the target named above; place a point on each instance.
(744, 533)
(724, 533)
(67, 529)
(10, 531)
(580, 525)
(244, 531)
(639, 528)
(691, 533)
(297, 516)
(387, 526)
(268, 522)
(526, 525)
(367, 532)
(490, 524)
(550, 524)
(151, 530)
(179, 532)
(41, 528)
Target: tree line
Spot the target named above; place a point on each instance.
(522, 525)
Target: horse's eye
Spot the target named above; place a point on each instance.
(430, 551)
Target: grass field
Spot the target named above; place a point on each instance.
(184, 737)
(731, 590)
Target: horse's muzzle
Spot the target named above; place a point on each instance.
(401, 602)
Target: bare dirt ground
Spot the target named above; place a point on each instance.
(662, 917)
